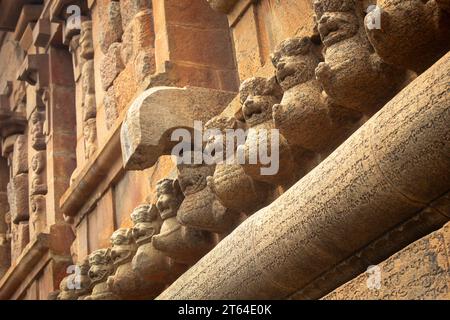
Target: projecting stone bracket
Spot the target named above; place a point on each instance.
(157, 112)
(34, 70)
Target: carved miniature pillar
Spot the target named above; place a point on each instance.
(61, 144)
(411, 34)
(184, 245)
(352, 75)
(394, 166)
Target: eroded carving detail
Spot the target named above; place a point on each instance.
(101, 267)
(37, 130)
(303, 117)
(77, 285)
(352, 75)
(257, 97)
(184, 244)
(413, 34)
(38, 176)
(234, 188)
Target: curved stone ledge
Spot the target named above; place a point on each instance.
(146, 130)
(383, 175)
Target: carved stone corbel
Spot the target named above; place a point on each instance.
(101, 267)
(152, 266)
(304, 117)
(411, 34)
(233, 187)
(258, 96)
(77, 285)
(352, 75)
(144, 138)
(183, 244)
(35, 70)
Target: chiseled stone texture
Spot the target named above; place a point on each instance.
(18, 198)
(384, 174)
(111, 65)
(129, 8)
(20, 155)
(420, 271)
(110, 22)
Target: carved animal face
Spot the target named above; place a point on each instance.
(146, 223)
(168, 198)
(258, 109)
(123, 247)
(295, 62)
(101, 266)
(64, 292)
(192, 178)
(337, 26)
(143, 232)
(257, 96)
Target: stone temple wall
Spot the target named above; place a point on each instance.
(91, 91)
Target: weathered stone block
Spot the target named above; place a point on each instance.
(18, 198)
(111, 65)
(20, 239)
(110, 105)
(111, 24)
(419, 271)
(20, 155)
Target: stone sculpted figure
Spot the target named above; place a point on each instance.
(183, 244)
(152, 266)
(304, 117)
(124, 283)
(413, 34)
(201, 209)
(77, 285)
(233, 187)
(101, 267)
(352, 75)
(258, 96)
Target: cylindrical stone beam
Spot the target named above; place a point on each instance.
(384, 174)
